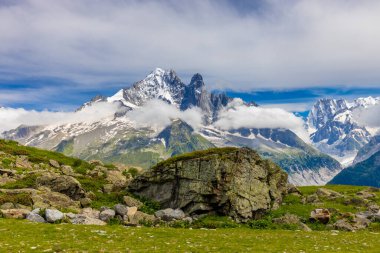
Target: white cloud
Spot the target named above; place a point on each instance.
(368, 117)
(237, 115)
(159, 114)
(11, 118)
(286, 44)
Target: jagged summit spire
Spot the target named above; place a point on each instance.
(196, 77)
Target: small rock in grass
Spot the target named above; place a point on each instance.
(107, 214)
(35, 217)
(121, 209)
(85, 202)
(343, 225)
(54, 163)
(53, 215)
(129, 201)
(170, 214)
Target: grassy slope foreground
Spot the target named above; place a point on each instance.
(20, 236)
(208, 234)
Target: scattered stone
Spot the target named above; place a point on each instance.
(374, 208)
(292, 189)
(170, 214)
(53, 215)
(343, 225)
(291, 219)
(365, 194)
(138, 218)
(14, 213)
(96, 162)
(107, 214)
(304, 227)
(132, 210)
(90, 195)
(321, 215)
(287, 219)
(86, 220)
(89, 212)
(356, 201)
(361, 223)
(85, 202)
(323, 192)
(35, 217)
(67, 170)
(23, 162)
(313, 198)
(70, 215)
(54, 163)
(188, 219)
(107, 188)
(129, 201)
(7, 205)
(121, 209)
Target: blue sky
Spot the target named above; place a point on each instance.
(56, 55)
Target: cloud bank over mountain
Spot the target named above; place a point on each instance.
(159, 114)
(14, 117)
(283, 44)
(238, 115)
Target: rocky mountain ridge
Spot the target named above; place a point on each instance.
(119, 139)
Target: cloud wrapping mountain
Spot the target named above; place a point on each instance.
(238, 115)
(14, 117)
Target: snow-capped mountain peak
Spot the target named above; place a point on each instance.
(335, 130)
(159, 84)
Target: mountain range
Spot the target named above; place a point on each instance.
(334, 133)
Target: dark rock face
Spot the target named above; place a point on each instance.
(227, 181)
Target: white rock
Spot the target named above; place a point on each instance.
(53, 215)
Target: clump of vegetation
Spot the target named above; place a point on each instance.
(19, 198)
(28, 181)
(133, 172)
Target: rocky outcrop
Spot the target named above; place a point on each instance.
(63, 184)
(226, 181)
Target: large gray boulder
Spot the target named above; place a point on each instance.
(63, 184)
(226, 181)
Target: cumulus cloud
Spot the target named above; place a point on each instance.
(159, 114)
(368, 117)
(285, 44)
(11, 118)
(238, 115)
